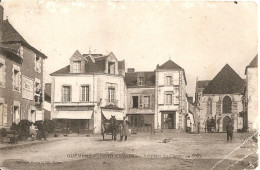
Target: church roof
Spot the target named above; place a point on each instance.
(227, 81)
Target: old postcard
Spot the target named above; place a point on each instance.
(128, 85)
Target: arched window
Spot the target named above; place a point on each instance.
(227, 105)
(209, 106)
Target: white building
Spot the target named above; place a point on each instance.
(170, 96)
(87, 91)
(251, 95)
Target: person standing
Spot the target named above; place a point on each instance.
(229, 131)
(124, 129)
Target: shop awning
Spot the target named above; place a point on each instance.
(74, 115)
(119, 115)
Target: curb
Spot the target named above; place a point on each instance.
(29, 144)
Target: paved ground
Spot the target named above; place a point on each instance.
(141, 151)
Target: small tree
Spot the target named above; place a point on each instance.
(24, 129)
(3, 132)
(49, 126)
(14, 128)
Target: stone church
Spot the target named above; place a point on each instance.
(221, 100)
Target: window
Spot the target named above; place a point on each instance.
(37, 87)
(16, 79)
(168, 99)
(76, 67)
(111, 68)
(111, 95)
(66, 94)
(2, 73)
(16, 114)
(209, 107)
(168, 80)
(146, 102)
(227, 105)
(37, 63)
(85, 93)
(141, 81)
(135, 101)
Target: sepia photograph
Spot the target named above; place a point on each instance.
(128, 85)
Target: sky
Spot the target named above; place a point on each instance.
(201, 37)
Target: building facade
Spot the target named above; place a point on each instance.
(140, 100)
(221, 99)
(170, 96)
(157, 99)
(87, 91)
(21, 77)
(251, 95)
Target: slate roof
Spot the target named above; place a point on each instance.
(10, 35)
(169, 65)
(227, 81)
(253, 63)
(98, 66)
(131, 79)
(202, 83)
(76, 54)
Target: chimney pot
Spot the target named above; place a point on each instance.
(130, 70)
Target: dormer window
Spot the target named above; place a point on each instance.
(76, 67)
(141, 81)
(111, 68)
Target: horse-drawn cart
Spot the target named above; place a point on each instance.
(110, 127)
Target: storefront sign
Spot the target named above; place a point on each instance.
(27, 88)
(74, 108)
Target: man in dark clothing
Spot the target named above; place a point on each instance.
(229, 131)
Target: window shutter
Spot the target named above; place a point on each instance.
(5, 114)
(140, 101)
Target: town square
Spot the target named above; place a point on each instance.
(128, 85)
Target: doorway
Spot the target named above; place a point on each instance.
(168, 120)
(225, 123)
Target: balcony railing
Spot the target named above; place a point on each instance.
(112, 102)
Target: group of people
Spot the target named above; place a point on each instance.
(124, 130)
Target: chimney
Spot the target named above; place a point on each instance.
(130, 70)
(1, 22)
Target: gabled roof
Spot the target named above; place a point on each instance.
(76, 55)
(169, 65)
(253, 63)
(131, 79)
(10, 35)
(95, 63)
(227, 81)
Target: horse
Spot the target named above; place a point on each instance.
(112, 127)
